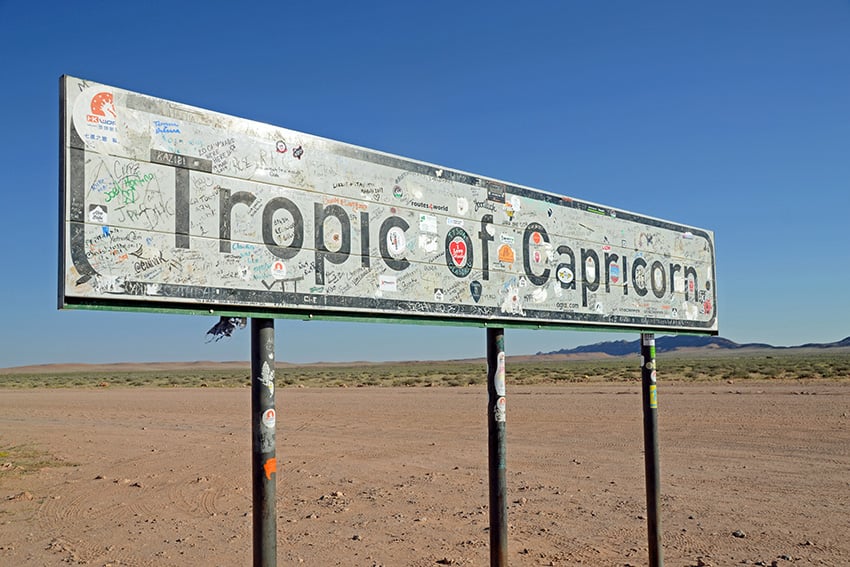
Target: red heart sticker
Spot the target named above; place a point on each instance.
(457, 248)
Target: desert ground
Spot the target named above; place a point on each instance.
(753, 473)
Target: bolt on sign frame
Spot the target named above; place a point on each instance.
(167, 207)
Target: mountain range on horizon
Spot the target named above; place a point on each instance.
(679, 342)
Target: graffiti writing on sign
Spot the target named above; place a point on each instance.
(207, 208)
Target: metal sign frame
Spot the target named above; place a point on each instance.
(167, 207)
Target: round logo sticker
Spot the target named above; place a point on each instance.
(459, 252)
(269, 418)
(396, 241)
(279, 270)
(565, 275)
(96, 118)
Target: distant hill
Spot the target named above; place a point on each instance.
(682, 342)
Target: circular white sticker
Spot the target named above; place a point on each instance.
(396, 242)
(565, 275)
(279, 270)
(269, 418)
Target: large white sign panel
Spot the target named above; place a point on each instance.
(168, 206)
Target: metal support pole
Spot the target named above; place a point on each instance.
(263, 462)
(496, 447)
(650, 444)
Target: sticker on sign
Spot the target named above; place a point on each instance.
(171, 207)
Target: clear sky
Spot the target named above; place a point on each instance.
(730, 116)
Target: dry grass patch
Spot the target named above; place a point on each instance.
(18, 460)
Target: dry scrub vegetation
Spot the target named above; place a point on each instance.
(16, 460)
(793, 366)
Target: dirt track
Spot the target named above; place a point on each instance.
(398, 477)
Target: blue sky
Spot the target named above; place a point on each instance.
(729, 116)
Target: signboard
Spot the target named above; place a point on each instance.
(171, 207)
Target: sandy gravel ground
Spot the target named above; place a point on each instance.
(752, 474)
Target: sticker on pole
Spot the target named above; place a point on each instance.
(653, 397)
(499, 410)
(269, 419)
(499, 378)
